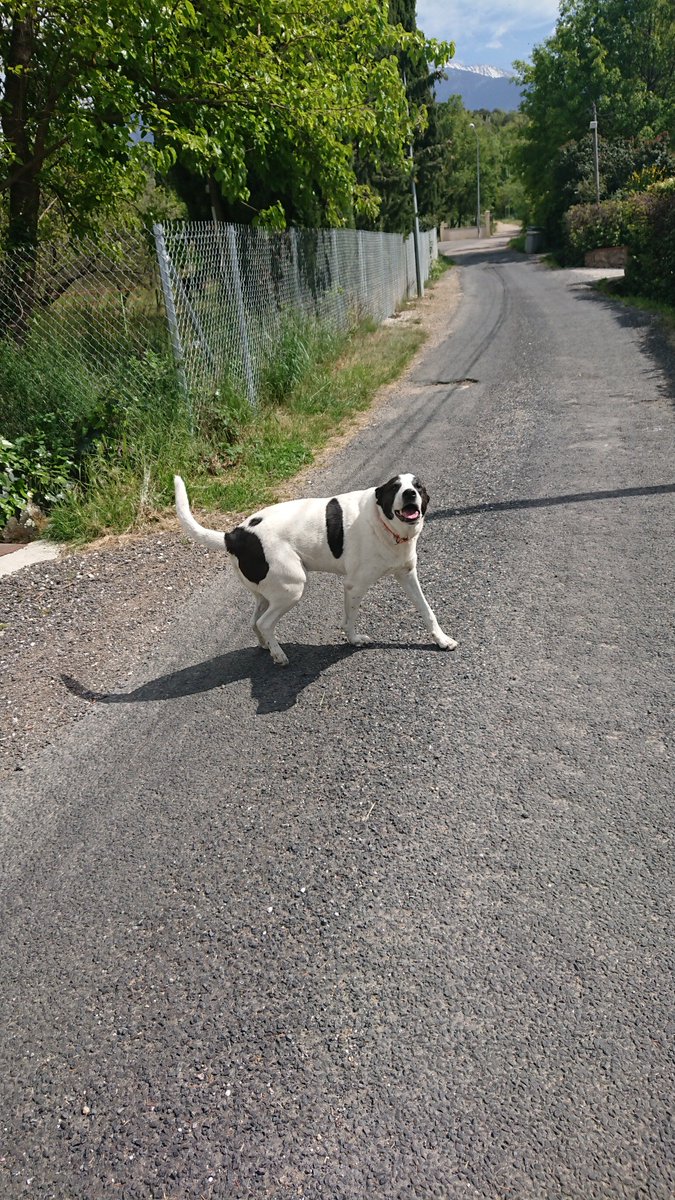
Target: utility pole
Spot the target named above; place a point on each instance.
(472, 126)
(416, 219)
(594, 127)
(416, 228)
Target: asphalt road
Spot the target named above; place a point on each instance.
(392, 923)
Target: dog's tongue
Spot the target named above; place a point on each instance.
(411, 514)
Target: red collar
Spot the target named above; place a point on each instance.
(396, 536)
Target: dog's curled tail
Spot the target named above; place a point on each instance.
(211, 538)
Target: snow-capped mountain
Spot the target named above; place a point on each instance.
(479, 87)
(491, 72)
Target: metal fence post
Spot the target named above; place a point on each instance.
(241, 316)
(335, 267)
(336, 258)
(295, 260)
(363, 284)
(169, 304)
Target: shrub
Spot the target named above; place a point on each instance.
(650, 270)
(594, 226)
(29, 471)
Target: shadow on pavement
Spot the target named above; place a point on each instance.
(477, 257)
(655, 342)
(275, 689)
(496, 506)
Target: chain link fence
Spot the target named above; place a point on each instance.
(229, 290)
(206, 300)
(76, 312)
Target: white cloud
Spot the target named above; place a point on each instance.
(519, 24)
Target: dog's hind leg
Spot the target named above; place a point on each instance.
(282, 600)
(261, 606)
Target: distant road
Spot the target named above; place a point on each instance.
(391, 923)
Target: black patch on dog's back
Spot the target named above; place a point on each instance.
(386, 494)
(335, 529)
(248, 551)
(254, 521)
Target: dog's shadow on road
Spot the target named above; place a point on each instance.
(274, 689)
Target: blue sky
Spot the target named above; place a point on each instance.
(488, 34)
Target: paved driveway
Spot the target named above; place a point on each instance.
(391, 923)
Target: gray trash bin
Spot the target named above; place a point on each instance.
(534, 239)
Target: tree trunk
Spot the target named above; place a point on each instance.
(17, 287)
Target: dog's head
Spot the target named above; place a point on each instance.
(404, 501)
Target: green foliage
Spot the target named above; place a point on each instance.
(43, 393)
(98, 415)
(392, 180)
(651, 266)
(625, 164)
(616, 54)
(237, 454)
(301, 344)
(30, 471)
(56, 389)
(287, 86)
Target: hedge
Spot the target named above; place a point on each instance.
(650, 270)
(642, 221)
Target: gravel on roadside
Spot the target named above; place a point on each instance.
(89, 615)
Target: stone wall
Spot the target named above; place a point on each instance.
(608, 256)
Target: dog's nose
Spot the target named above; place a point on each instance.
(410, 496)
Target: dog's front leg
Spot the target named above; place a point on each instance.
(353, 597)
(411, 586)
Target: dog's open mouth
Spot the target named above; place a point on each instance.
(409, 513)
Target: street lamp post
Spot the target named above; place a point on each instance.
(472, 126)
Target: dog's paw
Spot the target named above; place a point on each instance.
(277, 653)
(446, 643)
(359, 639)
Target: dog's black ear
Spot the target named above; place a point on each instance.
(423, 494)
(386, 494)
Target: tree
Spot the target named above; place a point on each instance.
(291, 86)
(501, 189)
(392, 181)
(623, 163)
(616, 54)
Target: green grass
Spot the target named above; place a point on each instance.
(552, 261)
(438, 268)
(126, 429)
(67, 379)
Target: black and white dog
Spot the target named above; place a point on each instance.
(360, 535)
